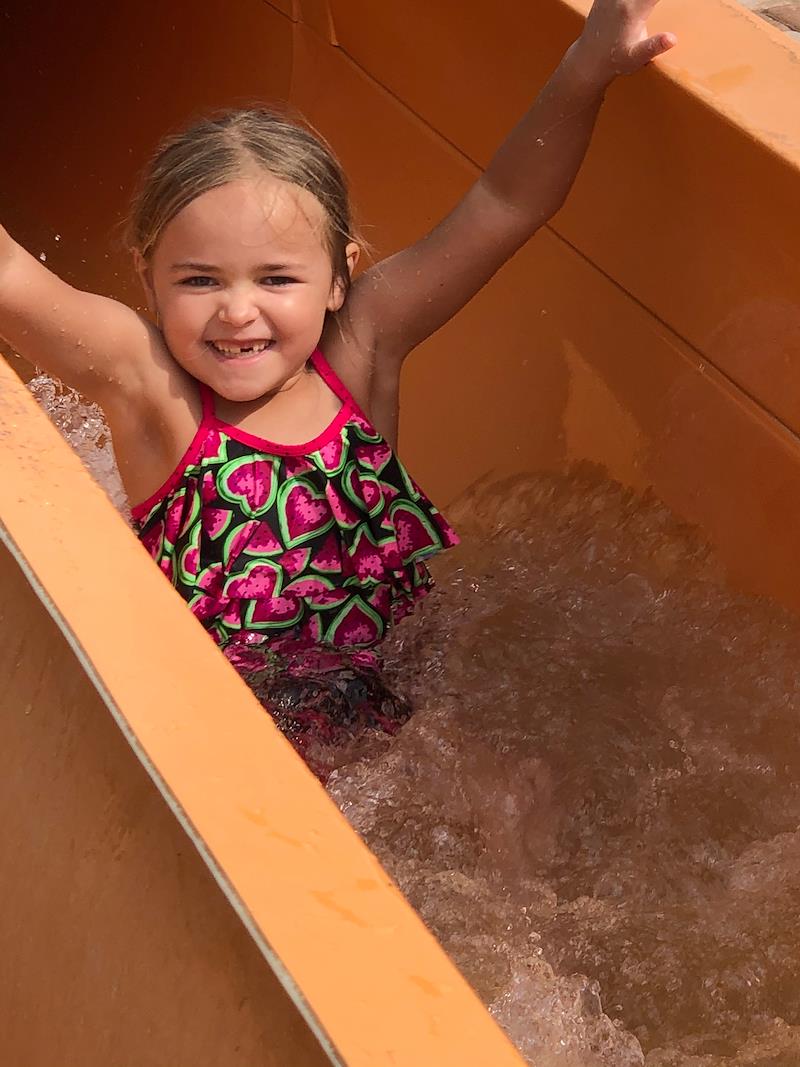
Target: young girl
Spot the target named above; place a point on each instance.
(255, 422)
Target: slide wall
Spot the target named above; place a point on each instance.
(177, 887)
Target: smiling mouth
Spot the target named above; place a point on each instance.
(231, 349)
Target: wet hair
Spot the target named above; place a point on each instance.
(237, 144)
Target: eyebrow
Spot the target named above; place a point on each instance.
(208, 268)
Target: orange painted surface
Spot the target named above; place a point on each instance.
(285, 7)
(652, 328)
(317, 15)
(118, 947)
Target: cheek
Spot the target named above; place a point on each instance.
(303, 311)
(183, 316)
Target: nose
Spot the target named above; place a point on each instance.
(238, 309)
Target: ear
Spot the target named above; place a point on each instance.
(146, 278)
(338, 291)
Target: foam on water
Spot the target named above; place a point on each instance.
(596, 806)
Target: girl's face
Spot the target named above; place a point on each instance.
(241, 281)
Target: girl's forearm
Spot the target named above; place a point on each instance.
(536, 166)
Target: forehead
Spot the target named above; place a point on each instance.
(253, 217)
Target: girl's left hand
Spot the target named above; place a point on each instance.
(615, 39)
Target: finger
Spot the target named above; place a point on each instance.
(652, 48)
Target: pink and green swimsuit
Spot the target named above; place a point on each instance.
(306, 552)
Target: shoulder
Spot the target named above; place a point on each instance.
(375, 388)
(350, 344)
(349, 361)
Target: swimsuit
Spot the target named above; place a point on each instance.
(296, 558)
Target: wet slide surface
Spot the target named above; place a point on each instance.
(594, 808)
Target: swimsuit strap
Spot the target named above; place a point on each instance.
(332, 380)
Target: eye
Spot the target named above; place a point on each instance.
(198, 281)
(277, 281)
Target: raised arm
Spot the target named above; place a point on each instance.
(401, 301)
(90, 342)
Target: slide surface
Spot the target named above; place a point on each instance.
(182, 890)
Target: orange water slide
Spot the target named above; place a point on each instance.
(177, 888)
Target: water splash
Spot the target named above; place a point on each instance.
(84, 427)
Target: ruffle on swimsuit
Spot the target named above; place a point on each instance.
(320, 544)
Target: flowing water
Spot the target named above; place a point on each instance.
(596, 806)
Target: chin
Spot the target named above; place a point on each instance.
(243, 392)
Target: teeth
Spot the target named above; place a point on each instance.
(229, 349)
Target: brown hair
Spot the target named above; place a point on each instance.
(231, 145)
